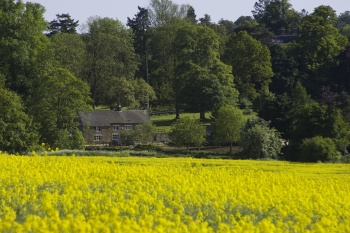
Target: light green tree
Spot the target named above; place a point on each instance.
(251, 63)
(110, 53)
(69, 50)
(227, 125)
(261, 141)
(187, 131)
(146, 132)
(17, 131)
(56, 103)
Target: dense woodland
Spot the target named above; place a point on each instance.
(168, 58)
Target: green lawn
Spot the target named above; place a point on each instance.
(164, 122)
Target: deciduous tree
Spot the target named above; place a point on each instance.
(250, 61)
(227, 125)
(187, 132)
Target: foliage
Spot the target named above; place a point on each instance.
(24, 53)
(317, 46)
(276, 14)
(63, 24)
(227, 125)
(187, 131)
(56, 103)
(260, 141)
(146, 132)
(73, 140)
(110, 54)
(128, 137)
(162, 12)
(17, 131)
(250, 61)
(140, 26)
(69, 50)
(319, 149)
(314, 120)
(201, 79)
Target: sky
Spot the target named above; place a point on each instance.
(121, 9)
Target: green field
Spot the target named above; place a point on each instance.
(164, 122)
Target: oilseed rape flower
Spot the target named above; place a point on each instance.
(101, 194)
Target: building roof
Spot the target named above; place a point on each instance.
(111, 117)
(284, 39)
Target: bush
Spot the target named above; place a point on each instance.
(319, 149)
(147, 148)
(260, 141)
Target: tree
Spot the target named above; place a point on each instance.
(227, 125)
(229, 25)
(187, 131)
(256, 30)
(24, 53)
(276, 14)
(140, 25)
(63, 24)
(191, 15)
(317, 46)
(146, 132)
(17, 131)
(110, 53)
(242, 19)
(260, 141)
(250, 61)
(144, 93)
(319, 149)
(162, 12)
(313, 120)
(206, 20)
(284, 68)
(201, 79)
(162, 63)
(56, 103)
(69, 51)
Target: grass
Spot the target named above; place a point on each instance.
(164, 122)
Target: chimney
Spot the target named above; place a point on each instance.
(119, 108)
(283, 31)
(295, 31)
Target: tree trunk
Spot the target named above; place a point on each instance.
(177, 112)
(230, 148)
(202, 116)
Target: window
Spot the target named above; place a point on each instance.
(128, 127)
(97, 137)
(115, 137)
(115, 127)
(97, 128)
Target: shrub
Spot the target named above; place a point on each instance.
(319, 149)
(260, 141)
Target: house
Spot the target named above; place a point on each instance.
(105, 126)
(283, 38)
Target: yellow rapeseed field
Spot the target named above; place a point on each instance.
(84, 194)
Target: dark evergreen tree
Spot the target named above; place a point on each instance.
(63, 24)
(206, 20)
(229, 25)
(140, 25)
(191, 15)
